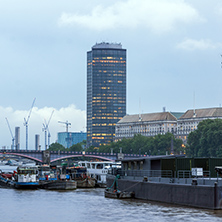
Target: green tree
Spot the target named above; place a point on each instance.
(157, 145)
(206, 141)
(76, 147)
(56, 146)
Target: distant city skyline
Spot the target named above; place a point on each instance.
(174, 49)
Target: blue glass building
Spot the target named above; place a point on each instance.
(67, 139)
(106, 91)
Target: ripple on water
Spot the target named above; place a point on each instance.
(90, 205)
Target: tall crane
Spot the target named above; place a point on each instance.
(45, 129)
(13, 138)
(68, 136)
(67, 124)
(26, 122)
(49, 135)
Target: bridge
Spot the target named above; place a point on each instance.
(53, 156)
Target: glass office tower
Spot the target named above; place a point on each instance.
(106, 91)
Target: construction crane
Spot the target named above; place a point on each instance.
(13, 138)
(49, 135)
(26, 122)
(45, 129)
(68, 136)
(67, 124)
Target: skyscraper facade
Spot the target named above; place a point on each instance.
(106, 91)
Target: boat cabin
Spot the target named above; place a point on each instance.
(169, 166)
(26, 174)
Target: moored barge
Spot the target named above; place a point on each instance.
(172, 179)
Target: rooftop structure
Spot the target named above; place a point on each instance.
(106, 45)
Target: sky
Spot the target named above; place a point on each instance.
(173, 47)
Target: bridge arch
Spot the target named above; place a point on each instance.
(23, 155)
(81, 155)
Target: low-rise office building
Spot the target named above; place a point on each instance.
(149, 124)
(67, 139)
(189, 121)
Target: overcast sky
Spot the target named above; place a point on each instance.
(173, 47)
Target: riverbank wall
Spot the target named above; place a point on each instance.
(202, 196)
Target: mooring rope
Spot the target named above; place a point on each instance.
(131, 186)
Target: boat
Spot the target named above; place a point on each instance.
(114, 192)
(55, 178)
(59, 185)
(3, 162)
(118, 194)
(173, 179)
(98, 170)
(6, 179)
(25, 178)
(81, 176)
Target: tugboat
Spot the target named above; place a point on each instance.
(25, 178)
(99, 170)
(114, 192)
(56, 178)
(80, 175)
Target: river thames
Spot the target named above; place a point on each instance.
(90, 205)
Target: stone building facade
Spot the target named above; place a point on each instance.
(151, 124)
(189, 121)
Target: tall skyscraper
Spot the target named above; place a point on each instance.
(106, 91)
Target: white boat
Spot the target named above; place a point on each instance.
(26, 177)
(99, 170)
(3, 162)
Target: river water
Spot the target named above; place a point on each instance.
(90, 205)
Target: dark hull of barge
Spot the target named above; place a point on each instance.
(86, 183)
(118, 194)
(59, 185)
(201, 196)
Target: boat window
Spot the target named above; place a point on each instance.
(99, 166)
(93, 165)
(88, 165)
(129, 166)
(141, 165)
(83, 164)
(135, 165)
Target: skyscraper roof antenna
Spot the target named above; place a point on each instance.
(194, 112)
(140, 115)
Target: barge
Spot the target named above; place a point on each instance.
(55, 178)
(98, 170)
(81, 176)
(172, 179)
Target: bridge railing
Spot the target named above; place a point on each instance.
(143, 173)
(70, 152)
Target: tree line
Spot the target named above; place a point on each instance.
(157, 145)
(206, 141)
